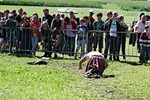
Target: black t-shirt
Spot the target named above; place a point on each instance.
(48, 18)
(18, 19)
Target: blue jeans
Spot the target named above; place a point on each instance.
(107, 45)
(113, 46)
(145, 53)
(69, 45)
(121, 43)
(35, 40)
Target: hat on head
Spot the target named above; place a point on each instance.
(146, 26)
(91, 11)
(10, 15)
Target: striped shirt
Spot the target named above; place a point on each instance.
(144, 39)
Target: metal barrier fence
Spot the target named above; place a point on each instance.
(19, 41)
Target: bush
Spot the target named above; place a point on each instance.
(54, 4)
(134, 5)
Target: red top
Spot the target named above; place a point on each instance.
(73, 24)
(91, 19)
(35, 25)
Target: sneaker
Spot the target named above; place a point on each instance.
(69, 57)
(9, 53)
(124, 60)
(62, 56)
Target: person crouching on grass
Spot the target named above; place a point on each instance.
(96, 64)
(82, 36)
(145, 45)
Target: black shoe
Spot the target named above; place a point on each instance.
(44, 55)
(117, 59)
(141, 62)
(55, 57)
(110, 58)
(114, 59)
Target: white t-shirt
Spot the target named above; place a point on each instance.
(141, 26)
(69, 33)
(90, 54)
(113, 29)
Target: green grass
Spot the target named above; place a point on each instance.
(141, 5)
(61, 80)
(129, 15)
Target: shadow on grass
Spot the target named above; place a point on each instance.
(131, 63)
(108, 76)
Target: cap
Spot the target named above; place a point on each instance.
(10, 15)
(91, 11)
(146, 26)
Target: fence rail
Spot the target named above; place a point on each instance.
(19, 41)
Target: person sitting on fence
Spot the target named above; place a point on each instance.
(46, 39)
(82, 37)
(96, 64)
(145, 45)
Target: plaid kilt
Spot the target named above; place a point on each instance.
(96, 62)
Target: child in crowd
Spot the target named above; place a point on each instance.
(145, 45)
(82, 36)
(46, 39)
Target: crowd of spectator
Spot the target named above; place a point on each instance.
(67, 35)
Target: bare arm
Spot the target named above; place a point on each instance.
(81, 61)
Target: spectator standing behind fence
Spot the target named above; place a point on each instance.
(6, 12)
(139, 28)
(113, 28)
(48, 18)
(121, 37)
(11, 31)
(69, 30)
(46, 39)
(1, 34)
(18, 18)
(35, 33)
(132, 38)
(89, 35)
(144, 41)
(26, 38)
(98, 36)
(82, 31)
(107, 36)
(57, 26)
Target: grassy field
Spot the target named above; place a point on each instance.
(129, 15)
(61, 80)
